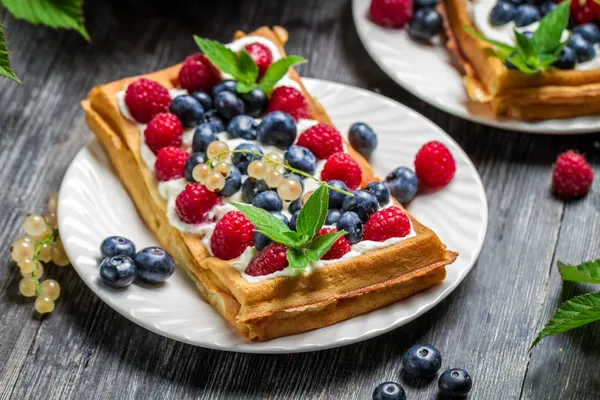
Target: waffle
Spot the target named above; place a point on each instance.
(284, 305)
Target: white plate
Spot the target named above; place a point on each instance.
(93, 205)
(427, 72)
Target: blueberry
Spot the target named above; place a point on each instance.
(117, 246)
(422, 360)
(214, 120)
(502, 13)
(233, 182)
(526, 14)
(455, 383)
(228, 105)
(351, 223)
(589, 32)
(514, 2)
(336, 198)
(362, 138)
(268, 200)
(228, 85)
(425, 24)
(380, 191)
(301, 158)
(583, 49)
(187, 109)
(118, 271)
(295, 205)
(333, 216)
(277, 129)
(567, 59)
(260, 240)
(403, 184)
(154, 265)
(204, 135)
(424, 3)
(256, 102)
(204, 99)
(293, 220)
(242, 160)
(547, 7)
(242, 126)
(389, 391)
(251, 188)
(362, 203)
(193, 160)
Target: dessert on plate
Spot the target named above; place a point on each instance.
(242, 177)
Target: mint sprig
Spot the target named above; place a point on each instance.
(5, 67)
(538, 53)
(588, 272)
(303, 247)
(243, 68)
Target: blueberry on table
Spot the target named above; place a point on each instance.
(233, 182)
(425, 24)
(228, 105)
(214, 120)
(242, 126)
(403, 184)
(567, 59)
(362, 138)
(268, 200)
(242, 160)
(228, 85)
(193, 160)
(363, 203)
(417, 4)
(422, 360)
(260, 240)
(389, 391)
(154, 265)
(582, 48)
(253, 187)
(204, 99)
(380, 191)
(301, 158)
(118, 272)
(502, 13)
(277, 129)
(589, 32)
(526, 14)
(351, 223)
(204, 135)
(117, 246)
(333, 216)
(187, 109)
(455, 383)
(256, 102)
(336, 198)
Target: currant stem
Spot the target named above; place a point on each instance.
(38, 247)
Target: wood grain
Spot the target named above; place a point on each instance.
(85, 350)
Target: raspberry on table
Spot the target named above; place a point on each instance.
(572, 175)
(271, 259)
(339, 247)
(261, 55)
(163, 130)
(391, 13)
(194, 202)
(232, 234)
(288, 100)
(198, 74)
(145, 98)
(434, 165)
(170, 163)
(340, 166)
(387, 223)
(322, 140)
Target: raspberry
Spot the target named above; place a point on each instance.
(145, 98)
(233, 233)
(339, 248)
(261, 55)
(194, 202)
(434, 165)
(342, 167)
(271, 259)
(572, 175)
(288, 100)
(170, 163)
(585, 14)
(322, 140)
(198, 74)
(163, 130)
(391, 13)
(387, 223)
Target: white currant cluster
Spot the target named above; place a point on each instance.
(40, 245)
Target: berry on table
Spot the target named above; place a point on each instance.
(363, 203)
(228, 105)
(425, 25)
(502, 13)
(242, 126)
(340, 166)
(59, 255)
(391, 13)
(526, 14)
(117, 246)
(362, 138)
(572, 175)
(145, 98)
(434, 165)
(194, 202)
(422, 360)
(339, 247)
(389, 391)
(336, 198)
(455, 383)
(204, 99)
(232, 234)
(253, 187)
(118, 271)
(388, 223)
(243, 159)
(164, 130)
(35, 225)
(380, 191)
(277, 129)
(187, 109)
(300, 158)
(271, 259)
(27, 287)
(268, 200)
(170, 163)
(193, 160)
(50, 288)
(403, 184)
(350, 222)
(261, 55)
(22, 248)
(154, 265)
(290, 101)
(204, 135)
(198, 74)
(256, 102)
(260, 240)
(322, 140)
(44, 305)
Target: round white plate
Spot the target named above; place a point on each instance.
(427, 72)
(93, 205)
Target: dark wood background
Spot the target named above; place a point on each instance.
(85, 350)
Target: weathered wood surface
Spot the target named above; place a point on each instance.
(86, 350)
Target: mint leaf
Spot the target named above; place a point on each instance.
(500, 45)
(297, 259)
(312, 214)
(248, 71)
(525, 48)
(277, 70)
(521, 63)
(5, 68)
(588, 272)
(269, 225)
(319, 246)
(224, 59)
(242, 87)
(67, 14)
(547, 37)
(578, 311)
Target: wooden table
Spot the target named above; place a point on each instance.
(86, 350)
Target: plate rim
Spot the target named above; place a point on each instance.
(248, 347)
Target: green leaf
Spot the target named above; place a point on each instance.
(248, 69)
(500, 45)
(519, 61)
(588, 272)
(525, 48)
(5, 68)
(312, 214)
(242, 87)
(67, 14)
(547, 37)
(297, 258)
(225, 59)
(277, 70)
(578, 311)
(319, 246)
(269, 225)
